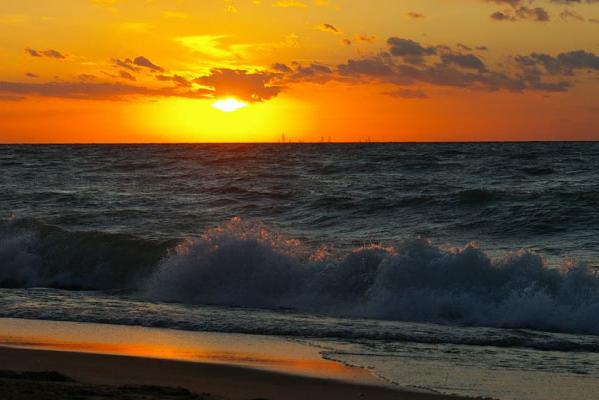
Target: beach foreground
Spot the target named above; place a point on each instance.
(100, 375)
(55, 360)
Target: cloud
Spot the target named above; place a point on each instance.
(519, 10)
(467, 61)
(142, 61)
(45, 53)
(31, 75)
(329, 28)
(315, 72)
(415, 15)
(137, 63)
(501, 16)
(537, 14)
(411, 51)
(127, 75)
(93, 91)
(359, 39)
(407, 62)
(407, 94)
(404, 63)
(565, 63)
(372, 67)
(248, 86)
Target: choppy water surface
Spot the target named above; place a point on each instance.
(465, 268)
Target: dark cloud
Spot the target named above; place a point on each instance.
(563, 64)
(512, 3)
(403, 63)
(407, 94)
(329, 28)
(501, 16)
(137, 64)
(45, 53)
(359, 39)
(31, 75)
(247, 86)
(92, 91)
(126, 63)
(310, 73)
(519, 10)
(378, 66)
(441, 65)
(415, 15)
(468, 61)
(464, 47)
(411, 51)
(127, 75)
(534, 10)
(279, 67)
(537, 14)
(142, 61)
(574, 1)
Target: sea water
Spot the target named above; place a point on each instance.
(461, 268)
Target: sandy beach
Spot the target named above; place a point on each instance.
(99, 376)
(89, 361)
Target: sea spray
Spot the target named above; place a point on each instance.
(414, 280)
(244, 264)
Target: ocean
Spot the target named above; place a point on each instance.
(467, 268)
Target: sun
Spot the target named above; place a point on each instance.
(229, 104)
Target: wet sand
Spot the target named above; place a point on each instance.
(97, 376)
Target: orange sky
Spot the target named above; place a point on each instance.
(388, 70)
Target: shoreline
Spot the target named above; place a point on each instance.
(218, 380)
(228, 366)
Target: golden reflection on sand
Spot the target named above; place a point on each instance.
(258, 352)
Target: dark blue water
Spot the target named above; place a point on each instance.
(541, 196)
(378, 253)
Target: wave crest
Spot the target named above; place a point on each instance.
(248, 266)
(36, 254)
(243, 264)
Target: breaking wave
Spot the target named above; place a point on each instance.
(33, 254)
(239, 264)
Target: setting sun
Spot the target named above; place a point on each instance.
(229, 105)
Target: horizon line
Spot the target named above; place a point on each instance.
(295, 143)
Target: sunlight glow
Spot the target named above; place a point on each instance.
(229, 105)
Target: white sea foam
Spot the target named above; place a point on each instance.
(247, 266)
